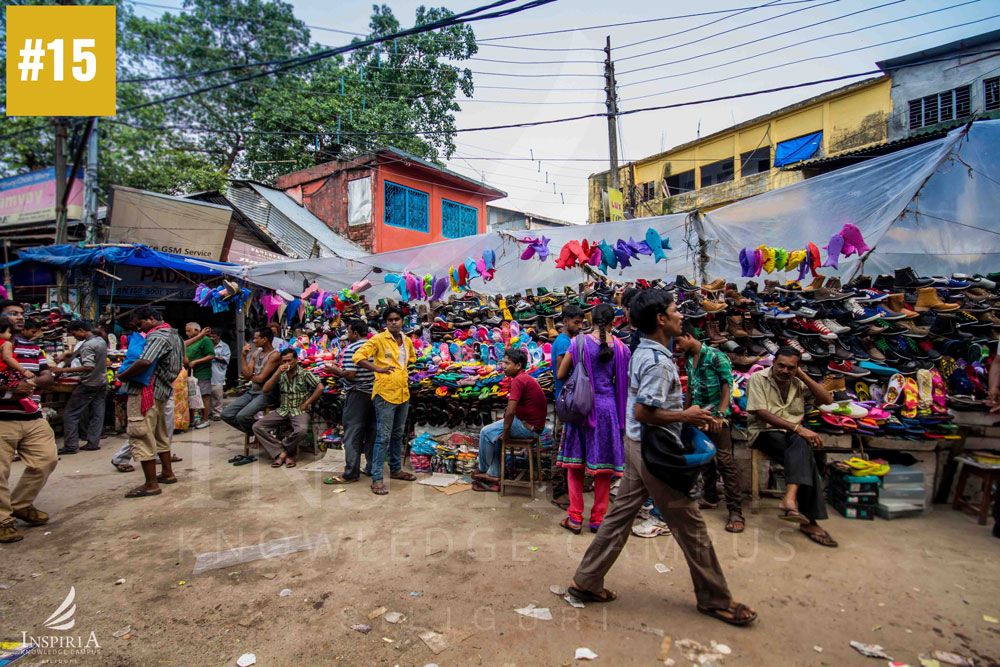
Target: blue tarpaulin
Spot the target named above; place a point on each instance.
(71, 256)
(797, 149)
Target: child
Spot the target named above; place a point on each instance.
(11, 372)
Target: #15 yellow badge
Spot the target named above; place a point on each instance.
(61, 61)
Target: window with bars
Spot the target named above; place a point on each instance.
(458, 220)
(647, 191)
(680, 183)
(755, 161)
(940, 107)
(406, 207)
(717, 172)
(991, 94)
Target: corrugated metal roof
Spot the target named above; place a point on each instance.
(308, 223)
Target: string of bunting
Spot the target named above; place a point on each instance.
(413, 287)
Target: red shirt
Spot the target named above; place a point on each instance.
(531, 405)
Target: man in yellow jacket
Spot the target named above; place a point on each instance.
(388, 354)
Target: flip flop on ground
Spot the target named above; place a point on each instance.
(166, 480)
(819, 536)
(404, 476)
(142, 492)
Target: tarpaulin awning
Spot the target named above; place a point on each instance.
(797, 149)
(71, 256)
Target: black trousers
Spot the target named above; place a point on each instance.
(802, 467)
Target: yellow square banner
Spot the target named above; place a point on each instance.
(61, 61)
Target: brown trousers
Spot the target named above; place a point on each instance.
(681, 515)
(36, 443)
(265, 427)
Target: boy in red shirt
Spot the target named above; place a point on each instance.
(524, 418)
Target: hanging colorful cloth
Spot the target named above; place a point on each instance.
(854, 242)
(536, 248)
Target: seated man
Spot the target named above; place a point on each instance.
(776, 404)
(298, 390)
(524, 418)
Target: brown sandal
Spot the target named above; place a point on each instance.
(404, 476)
(736, 523)
(738, 615)
(379, 488)
(142, 492)
(571, 526)
(582, 595)
(821, 538)
(290, 464)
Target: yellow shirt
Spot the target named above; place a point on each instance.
(382, 349)
(763, 394)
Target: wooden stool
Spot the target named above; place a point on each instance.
(758, 458)
(533, 447)
(989, 475)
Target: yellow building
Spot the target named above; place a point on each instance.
(748, 159)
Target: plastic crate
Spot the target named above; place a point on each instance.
(863, 512)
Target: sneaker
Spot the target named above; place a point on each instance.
(860, 313)
(684, 284)
(908, 278)
(824, 294)
(31, 515)
(770, 346)
(776, 313)
(834, 326)
(651, 527)
(9, 532)
(201, 424)
(691, 310)
(845, 367)
(792, 343)
(889, 314)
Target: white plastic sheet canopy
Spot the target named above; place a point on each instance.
(933, 206)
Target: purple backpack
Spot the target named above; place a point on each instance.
(576, 400)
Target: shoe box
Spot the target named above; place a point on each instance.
(903, 493)
(852, 496)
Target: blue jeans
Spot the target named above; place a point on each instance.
(242, 412)
(390, 422)
(489, 444)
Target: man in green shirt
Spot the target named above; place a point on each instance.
(199, 352)
(709, 380)
(298, 389)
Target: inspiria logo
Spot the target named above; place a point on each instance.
(63, 619)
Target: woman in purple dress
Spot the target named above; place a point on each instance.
(595, 446)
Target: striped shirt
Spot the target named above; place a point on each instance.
(31, 358)
(705, 381)
(295, 389)
(166, 351)
(364, 378)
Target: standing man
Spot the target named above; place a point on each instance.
(388, 354)
(524, 418)
(88, 397)
(776, 403)
(220, 366)
(200, 353)
(654, 399)
(24, 432)
(710, 376)
(147, 426)
(259, 361)
(359, 411)
(298, 390)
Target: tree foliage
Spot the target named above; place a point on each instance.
(334, 108)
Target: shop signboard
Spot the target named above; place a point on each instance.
(616, 205)
(31, 197)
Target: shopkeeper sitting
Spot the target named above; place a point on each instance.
(298, 390)
(523, 419)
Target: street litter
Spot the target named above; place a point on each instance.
(661, 568)
(541, 613)
(435, 641)
(215, 560)
(818, 649)
(394, 617)
(665, 648)
(247, 659)
(699, 653)
(362, 628)
(870, 650)
(573, 601)
(285, 592)
(557, 590)
(991, 619)
(375, 613)
(415, 594)
(584, 653)
(118, 634)
(119, 582)
(953, 659)
(721, 648)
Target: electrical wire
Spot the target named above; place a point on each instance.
(793, 45)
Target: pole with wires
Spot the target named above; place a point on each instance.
(611, 98)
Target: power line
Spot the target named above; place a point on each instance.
(713, 22)
(752, 41)
(799, 61)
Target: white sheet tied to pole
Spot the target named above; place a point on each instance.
(932, 206)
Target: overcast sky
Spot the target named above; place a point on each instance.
(693, 61)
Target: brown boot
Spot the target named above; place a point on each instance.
(897, 303)
(716, 285)
(736, 329)
(814, 285)
(712, 306)
(31, 515)
(9, 532)
(928, 299)
(834, 383)
(715, 337)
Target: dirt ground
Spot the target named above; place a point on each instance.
(460, 565)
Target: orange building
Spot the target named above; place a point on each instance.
(390, 199)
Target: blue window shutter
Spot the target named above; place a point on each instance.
(797, 149)
(458, 220)
(406, 207)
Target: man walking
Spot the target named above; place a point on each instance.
(200, 354)
(147, 427)
(24, 431)
(258, 364)
(89, 397)
(220, 366)
(776, 405)
(654, 399)
(388, 354)
(710, 376)
(359, 411)
(298, 390)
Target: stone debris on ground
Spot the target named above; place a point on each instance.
(246, 660)
(870, 650)
(435, 641)
(584, 653)
(363, 628)
(531, 611)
